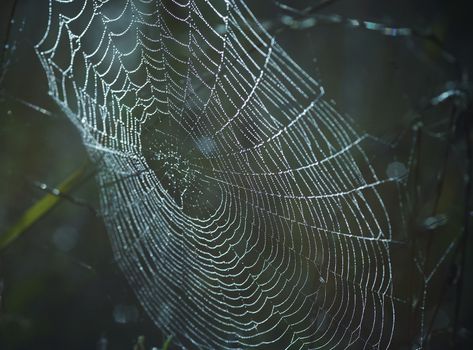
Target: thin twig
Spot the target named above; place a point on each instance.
(5, 50)
(465, 235)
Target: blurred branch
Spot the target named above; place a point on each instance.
(307, 18)
(467, 217)
(5, 46)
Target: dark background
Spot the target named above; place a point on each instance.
(59, 286)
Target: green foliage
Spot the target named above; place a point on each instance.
(140, 343)
(167, 343)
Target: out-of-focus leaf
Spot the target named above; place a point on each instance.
(39, 209)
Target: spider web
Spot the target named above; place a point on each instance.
(240, 204)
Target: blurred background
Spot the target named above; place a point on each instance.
(59, 285)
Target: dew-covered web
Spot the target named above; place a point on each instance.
(240, 204)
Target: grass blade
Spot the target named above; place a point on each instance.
(39, 209)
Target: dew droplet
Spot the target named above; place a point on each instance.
(396, 170)
(65, 238)
(433, 222)
(125, 313)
